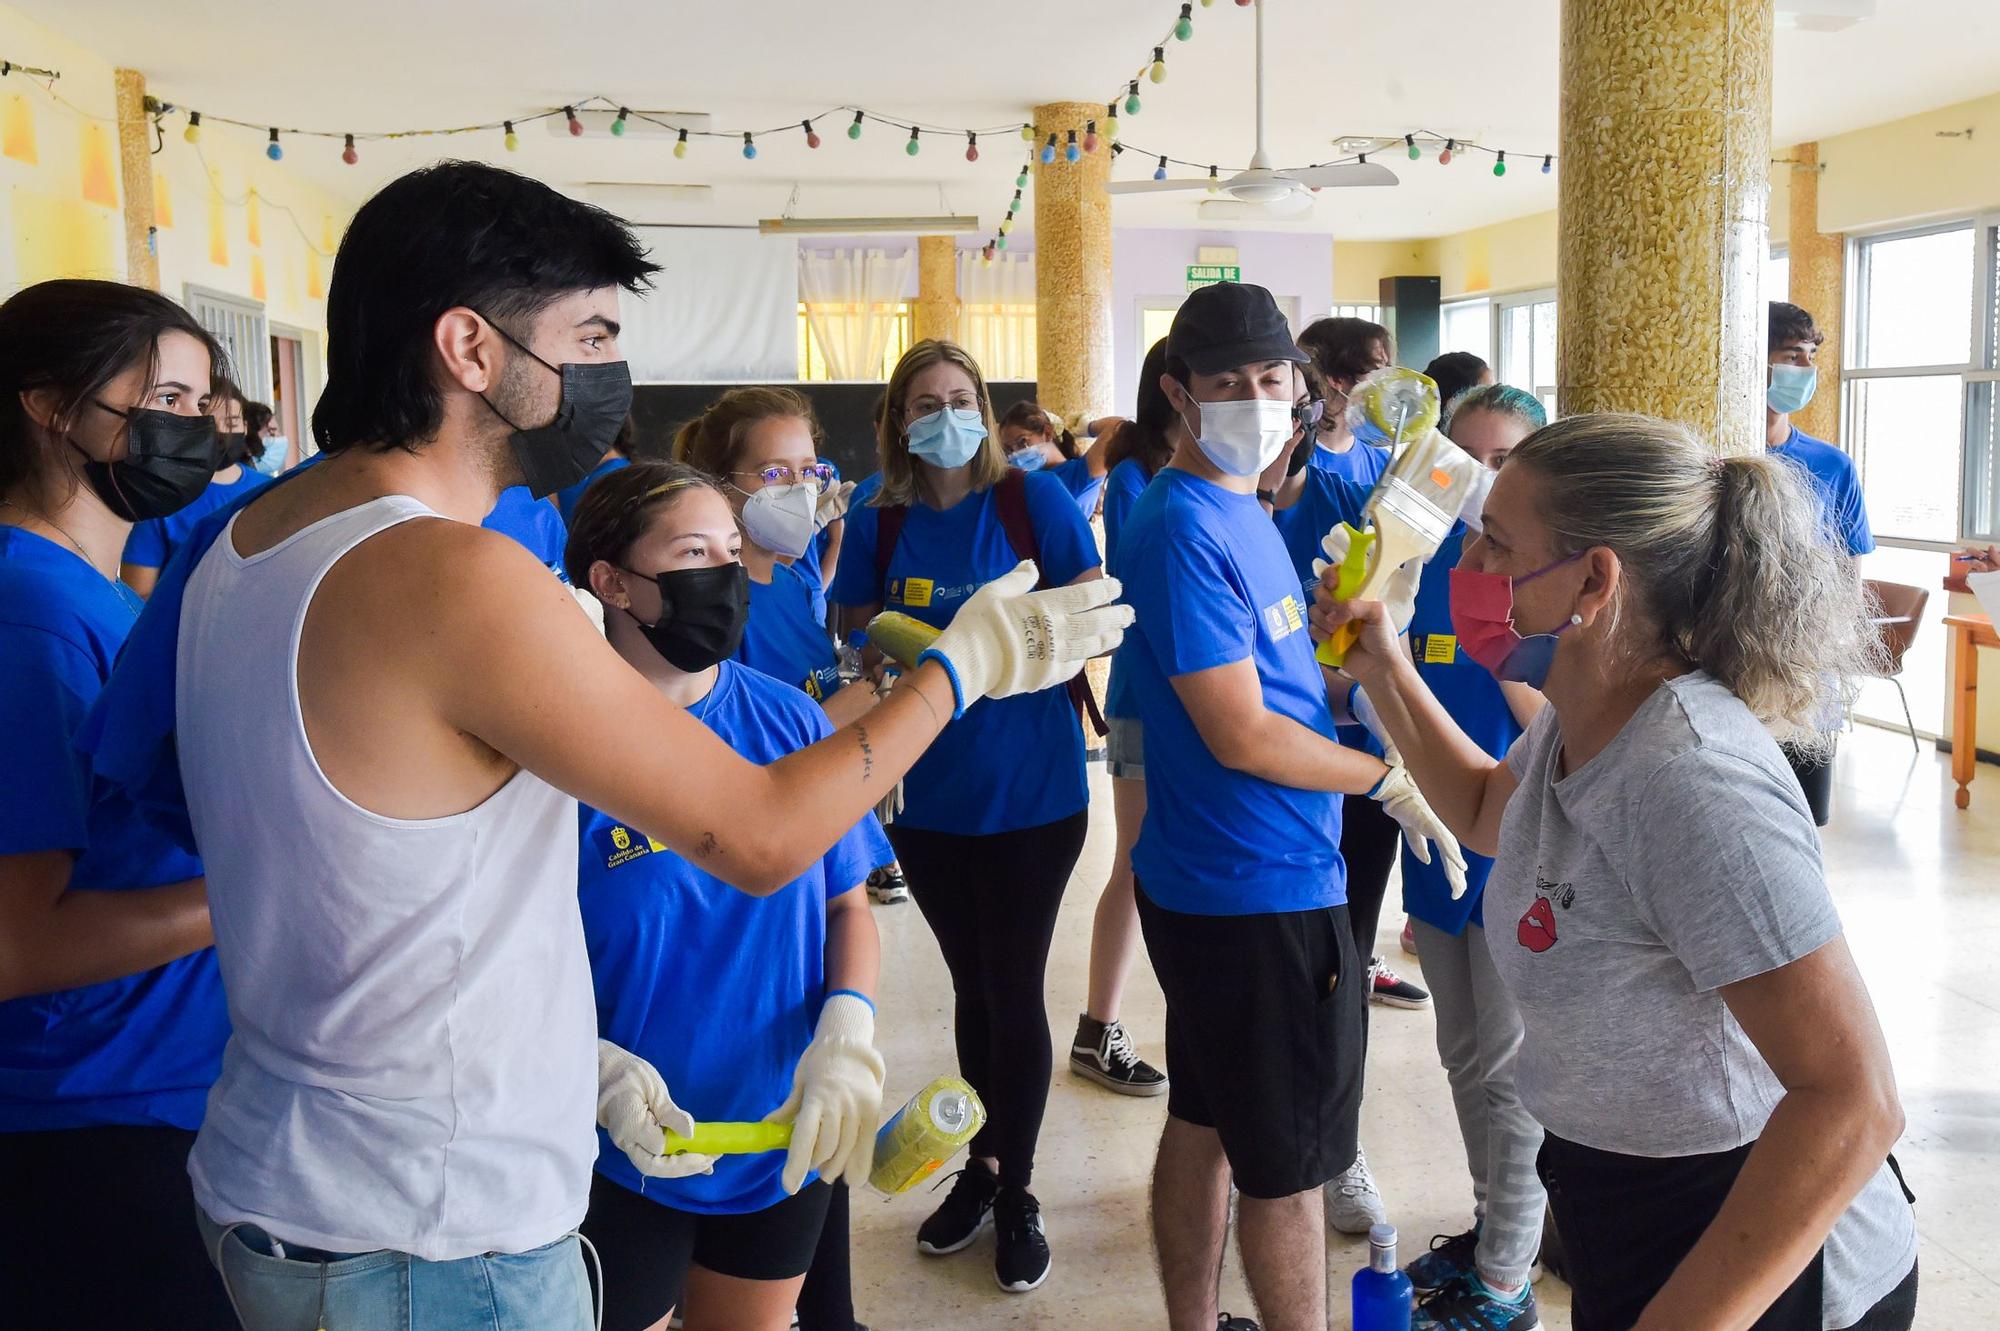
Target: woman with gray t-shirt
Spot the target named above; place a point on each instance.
(1717, 1095)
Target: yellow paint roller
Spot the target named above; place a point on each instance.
(1413, 506)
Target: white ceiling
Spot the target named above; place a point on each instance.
(1473, 68)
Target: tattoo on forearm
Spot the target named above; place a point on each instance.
(867, 752)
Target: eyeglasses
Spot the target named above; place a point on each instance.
(924, 406)
(1307, 414)
(817, 473)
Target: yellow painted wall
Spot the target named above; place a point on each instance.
(1902, 172)
(60, 197)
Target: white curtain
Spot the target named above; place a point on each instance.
(996, 321)
(723, 307)
(851, 298)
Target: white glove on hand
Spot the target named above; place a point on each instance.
(1010, 638)
(836, 1097)
(1401, 593)
(634, 1108)
(832, 505)
(1399, 797)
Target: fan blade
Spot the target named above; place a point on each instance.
(1343, 174)
(1156, 186)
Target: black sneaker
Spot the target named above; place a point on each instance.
(1224, 1322)
(1471, 1306)
(1021, 1261)
(963, 1213)
(1392, 990)
(888, 886)
(1105, 1055)
(1447, 1263)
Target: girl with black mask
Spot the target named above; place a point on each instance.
(153, 541)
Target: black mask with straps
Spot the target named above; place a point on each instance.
(596, 397)
(702, 613)
(169, 460)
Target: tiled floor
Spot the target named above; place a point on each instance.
(1918, 883)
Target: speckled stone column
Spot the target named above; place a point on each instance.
(1819, 285)
(936, 312)
(135, 172)
(1073, 362)
(1666, 144)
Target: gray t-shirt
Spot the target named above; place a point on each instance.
(1681, 859)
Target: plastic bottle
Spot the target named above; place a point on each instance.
(1382, 1293)
(926, 1132)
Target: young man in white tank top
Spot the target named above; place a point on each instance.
(402, 1133)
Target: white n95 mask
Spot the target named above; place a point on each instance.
(1245, 436)
(781, 518)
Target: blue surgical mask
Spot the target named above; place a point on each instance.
(1027, 459)
(1791, 388)
(949, 437)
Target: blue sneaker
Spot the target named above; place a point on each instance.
(1448, 1263)
(1471, 1306)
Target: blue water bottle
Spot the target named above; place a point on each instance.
(1382, 1294)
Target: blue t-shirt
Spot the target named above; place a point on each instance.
(1209, 580)
(153, 542)
(566, 500)
(143, 1049)
(1122, 489)
(717, 989)
(1008, 763)
(534, 523)
(1076, 478)
(785, 639)
(1472, 697)
(1328, 498)
(1361, 463)
(1839, 486)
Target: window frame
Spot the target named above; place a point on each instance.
(811, 357)
(1979, 468)
(1514, 300)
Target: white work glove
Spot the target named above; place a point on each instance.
(634, 1108)
(836, 1097)
(832, 505)
(1401, 593)
(1399, 797)
(1010, 638)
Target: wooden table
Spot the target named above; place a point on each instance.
(1968, 634)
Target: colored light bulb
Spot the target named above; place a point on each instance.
(347, 154)
(193, 131)
(1132, 99)
(618, 125)
(1049, 150)
(1021, 181)
(1158, 73)
(1415, 151)
(913, 147)
(1444, 154)
(1500, 164)
(1111, 121)
(971, 147)
(1027, 133)
(1185, 28)
(812, 135)
(749, 145)
(1548, 164)
(1000, 244)
(681, 145)
(854, 130)
(513, 140)
(1160, 171)
(1070, 151)
(274, 150)
(575, 125)
(1090, 136)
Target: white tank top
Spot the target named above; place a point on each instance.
(412, 1062)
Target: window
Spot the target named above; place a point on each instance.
(996, 313)
(812, 361)
(1372, 313)
(238, 324)
(1778, 275)
(1921, 381)
(1525, 326)
(1467, 325)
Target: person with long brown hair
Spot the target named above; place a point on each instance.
(995, 813)
(153, 542)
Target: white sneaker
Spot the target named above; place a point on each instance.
(1353, 1203)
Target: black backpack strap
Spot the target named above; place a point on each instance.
(1012, 496)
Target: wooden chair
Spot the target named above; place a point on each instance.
(1900, 610)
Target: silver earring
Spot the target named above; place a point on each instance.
(1576, 620)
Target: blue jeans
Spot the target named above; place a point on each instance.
(542, 1290)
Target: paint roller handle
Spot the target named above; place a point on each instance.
(1357, 580)
(730, 1139)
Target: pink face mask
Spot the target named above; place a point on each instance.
(1482, 615)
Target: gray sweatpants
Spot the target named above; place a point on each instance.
(1479, 1041)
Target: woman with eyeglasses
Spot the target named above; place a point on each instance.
(762, 445)
(111, 1013)
(995, 812)
(675, 950)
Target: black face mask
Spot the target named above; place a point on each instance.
(169, 460)
(1308, 418)
(702, 613)
(235, 446)
(596, 396)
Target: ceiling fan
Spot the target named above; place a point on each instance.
(1276, 191)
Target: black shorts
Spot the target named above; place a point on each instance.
(1266, 1036)
(646, 1248)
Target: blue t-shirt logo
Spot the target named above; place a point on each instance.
(621, 845)
(1284, 619)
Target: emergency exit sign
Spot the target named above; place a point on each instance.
(1208, 274)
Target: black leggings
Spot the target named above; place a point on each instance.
(991, 901)
(97, 1230)
(826, 1300)
(1368, 842)
(1815, 780)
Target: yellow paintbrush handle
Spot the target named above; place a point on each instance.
(1354, 577)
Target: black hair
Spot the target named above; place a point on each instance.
(618, 507)
(71, 337)
(449, 235)
(1454, 372)
(1147, 436)
(1791, 324)
(255, 417)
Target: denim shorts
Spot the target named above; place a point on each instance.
(545, 1289)
(1125, 748)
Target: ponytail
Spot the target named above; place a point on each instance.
(1730, 565)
